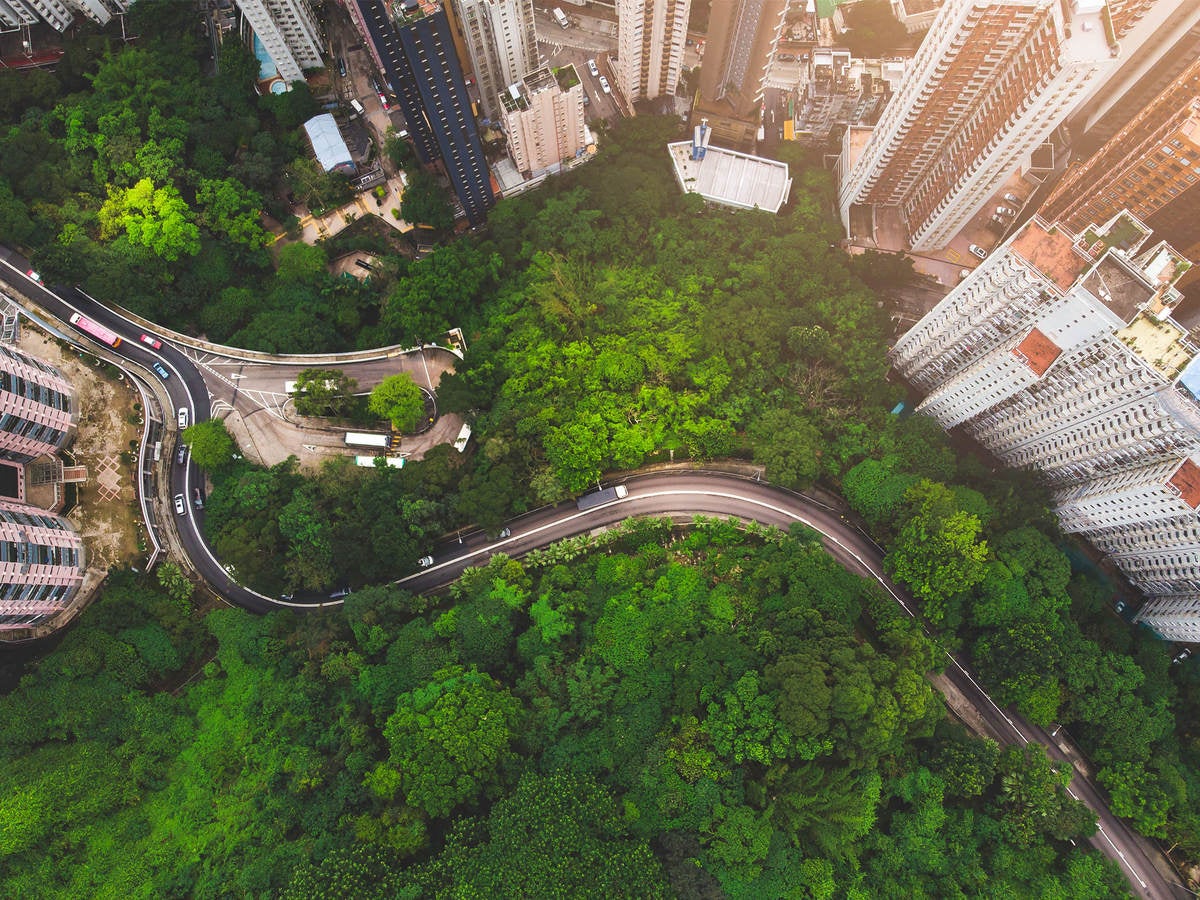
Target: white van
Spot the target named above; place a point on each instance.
(561, 18)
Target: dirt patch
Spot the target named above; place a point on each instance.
(109, 427)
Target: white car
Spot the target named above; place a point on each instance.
(1005, 211)
(183, 417)
(978, 251)
(1012, 198)
(604, 85)
(425, 562)
(180, 505)
(592, 68)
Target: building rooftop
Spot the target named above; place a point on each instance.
(327, 143)
(1038, 352)
(1052, 252)
(1186, 480)
(1161, 344)
(1122, 289)
(731, 178)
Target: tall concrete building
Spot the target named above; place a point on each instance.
(41, 565)
(289, 32)
(1152, 162)
(37, 405)
(1060, 354)
(414, 46)
(501, 43)
(742, 35)
(991, 81)
(544, 122)
(651, 35)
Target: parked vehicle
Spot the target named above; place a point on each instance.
(1013, 198)
(180, 505)
(1005, 211)
(561, 18)
(425, 562)
(506, 532)
(593, 68)
(604, 85)
(160, 370)
(181, 456)
(978, 251)
(182, 417)
(197, 499)
(338, 595)
(341, 64)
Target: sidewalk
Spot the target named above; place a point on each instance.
(315, 228)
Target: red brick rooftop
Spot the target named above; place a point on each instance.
(1038, 352)
(1052, 253)
(1186, 480)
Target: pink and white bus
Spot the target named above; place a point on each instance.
(99, 332)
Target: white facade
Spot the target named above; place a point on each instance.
(289, 33)
(544, 123)
(991, 81)
(1060, 354)
(651, 35)
(56, 14)
(1176, 618)
(15, 14)
(502, 45)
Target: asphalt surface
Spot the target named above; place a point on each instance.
(677, 494)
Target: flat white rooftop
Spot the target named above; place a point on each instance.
(732, 178)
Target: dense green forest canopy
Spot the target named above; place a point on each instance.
(703, 697)
(702, 714)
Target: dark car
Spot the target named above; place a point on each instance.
(197, 500)
(181, 456)
(341, 64)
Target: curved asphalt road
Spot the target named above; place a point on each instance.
(660, 494)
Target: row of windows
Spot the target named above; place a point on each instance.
(32, 519)
(28, 428)
(34, 593)
(14, 384)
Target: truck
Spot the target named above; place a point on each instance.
(362, 439)
(599, 498)
(561, 17)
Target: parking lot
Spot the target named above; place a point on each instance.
(589, 37)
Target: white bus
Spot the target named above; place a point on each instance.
(464, 435)
(362, 439)
(368, 462)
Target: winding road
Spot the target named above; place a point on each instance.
(673, 494)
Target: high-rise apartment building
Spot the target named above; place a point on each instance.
(742, 35)
(501, 43)
(41, 565)
(992, 79)
(413, 44)
(36, 407)
(289, 32)
(1060, 354)
(544, 122)
(651, 35)
(1146, 165)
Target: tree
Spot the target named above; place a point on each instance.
(424, 202)
(788, 445)
(229, 208)
(211, 444)
(324, 392)
(938, 553)
(446, 740)
(398, 399)
(157, 218)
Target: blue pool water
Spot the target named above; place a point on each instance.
(266, 68)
